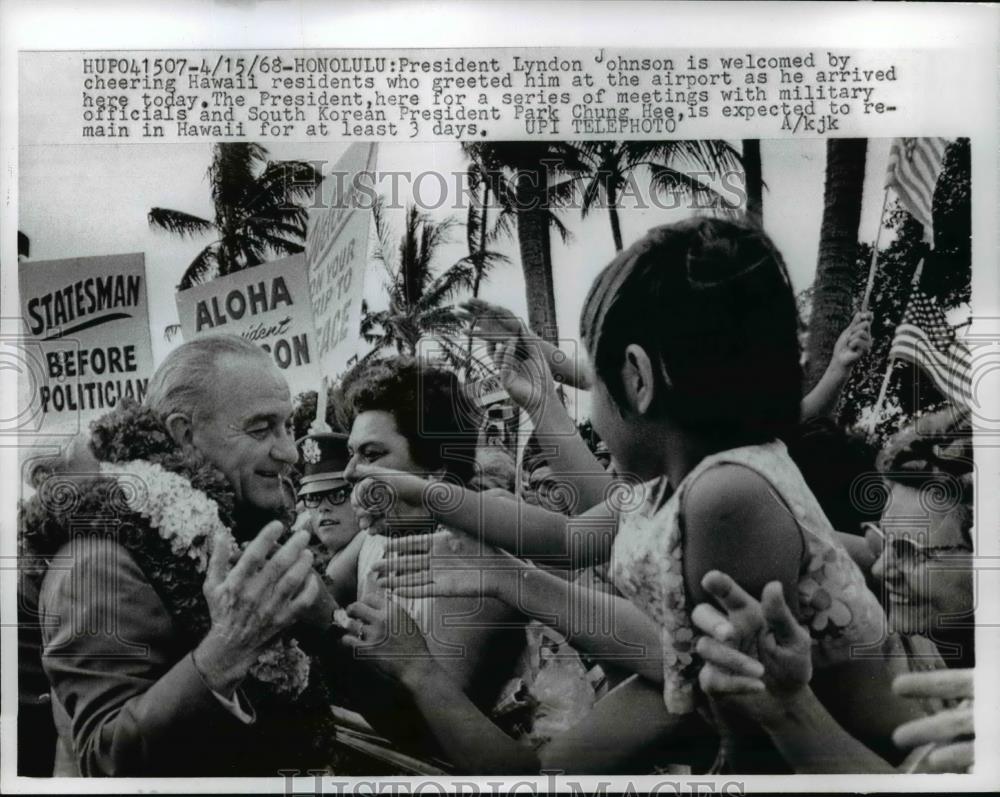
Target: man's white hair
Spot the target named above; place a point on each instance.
(181, 382)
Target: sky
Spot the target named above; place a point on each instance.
(86, 200)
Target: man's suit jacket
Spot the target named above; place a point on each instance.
(127, 697)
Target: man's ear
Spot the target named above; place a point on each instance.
(180, 429)
(637, 379)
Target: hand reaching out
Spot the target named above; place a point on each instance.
(446, 564)
(491, 322)
(383, 495)
(499, 326)
(382, 632)
(951, 731)
(756, 654)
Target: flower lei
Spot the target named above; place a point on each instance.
(168, 506)
(189, 520)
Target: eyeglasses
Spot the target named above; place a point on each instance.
(908, 551)
(332, 497)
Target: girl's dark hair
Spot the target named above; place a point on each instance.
(428, 405)
(710, 302)
(935, 451)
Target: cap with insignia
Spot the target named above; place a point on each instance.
(324, 457)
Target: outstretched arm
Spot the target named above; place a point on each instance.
(628, 724)
(524, 530)
(526, 365)
(758, 664)
(606, 626)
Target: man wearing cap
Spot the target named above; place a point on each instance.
(324, 495)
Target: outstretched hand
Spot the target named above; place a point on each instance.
(381, 493)
(446, 564)
(382, 632)
(951, 731)
(757, 655)
(499, 327)
(491, 322)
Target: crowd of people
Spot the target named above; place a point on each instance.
(728, 583)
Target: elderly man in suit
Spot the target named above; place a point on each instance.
(133, 694)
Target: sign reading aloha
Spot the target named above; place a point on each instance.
(266, 304)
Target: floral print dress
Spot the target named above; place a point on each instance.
(647, 568)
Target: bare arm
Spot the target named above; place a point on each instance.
(526, 365)
(524, 530)
(812, 741)
(758, 664)
(570, 459)
(853, 344)
(735, 523)
(606, 626)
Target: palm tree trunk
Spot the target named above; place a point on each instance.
(754, 180)
(536, 252)
(616, 227)
(483, 221)
(838, 251)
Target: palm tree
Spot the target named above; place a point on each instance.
(754, 180)
(418, 299)
(610, 164)
(256, 211)
(477, 229)
(836, 269)
(521, 180)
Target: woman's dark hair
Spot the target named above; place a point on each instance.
(935, 453)
(428, 404)
(710, 302)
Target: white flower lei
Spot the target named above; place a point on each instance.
(189, 520)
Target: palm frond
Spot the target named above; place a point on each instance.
(178, 222)
(198, 269)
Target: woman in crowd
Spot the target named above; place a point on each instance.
(926, 569)
(408, 416)
(692, 336)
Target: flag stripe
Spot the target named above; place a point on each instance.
(925, 339)
(914, 166)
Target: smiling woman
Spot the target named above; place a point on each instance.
(410, 416)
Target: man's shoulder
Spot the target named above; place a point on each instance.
(88, 562)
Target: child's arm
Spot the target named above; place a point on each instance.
(736, 523)
(853, 344)
(513, 525)
(526, 365)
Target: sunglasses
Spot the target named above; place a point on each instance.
(332, 497)
(907, 550)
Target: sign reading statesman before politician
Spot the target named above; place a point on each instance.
(267, 305)
(88, 320)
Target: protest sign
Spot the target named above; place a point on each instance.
(87, 321)
(268, 305)
(336, 258)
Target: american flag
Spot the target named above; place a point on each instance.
(925, 339)
(914, 166)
